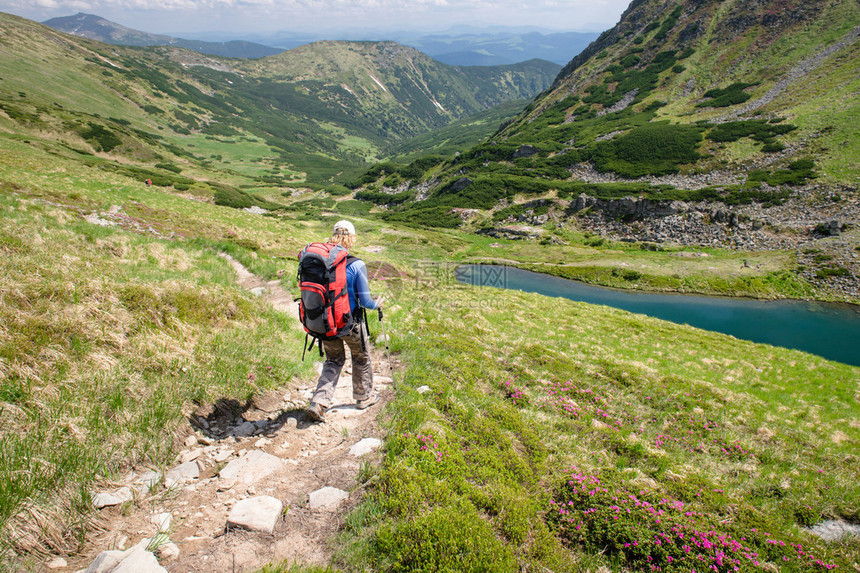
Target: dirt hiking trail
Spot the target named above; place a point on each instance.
(269, 449)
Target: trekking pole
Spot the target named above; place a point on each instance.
(385, 336)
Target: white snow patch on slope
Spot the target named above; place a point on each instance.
(378, 83)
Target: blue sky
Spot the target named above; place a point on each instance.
(265, 16)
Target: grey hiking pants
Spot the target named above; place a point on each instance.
(335, 354)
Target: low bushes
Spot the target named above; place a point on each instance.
(757, 129)
(725, 97)
(652, 149)
(380, 198)
(101, 138)
(654, 531)
(438, 216)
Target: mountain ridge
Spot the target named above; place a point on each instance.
(97, 28)
(467, 47)
(708, 123)
(155, 101)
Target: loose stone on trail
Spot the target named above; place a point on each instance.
(135, 560)
(256, 514)
(222, 454)
(245, 429)
(182, 473)
(185, 457)
(423, 389)
(168, 551)
(57, 563)
(326, 497)
(149, 479)
(365, 446)
(162, 521)
(252, 467)
(105, 499)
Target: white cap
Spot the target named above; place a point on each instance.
(345, 225)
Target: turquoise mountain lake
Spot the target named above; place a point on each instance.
(827, 329)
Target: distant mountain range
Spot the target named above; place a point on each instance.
(317, 110)
(498, 48)
(98, 28)
(492, 47)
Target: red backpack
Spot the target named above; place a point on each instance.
(324, 303)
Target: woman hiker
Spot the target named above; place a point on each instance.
(357, 339)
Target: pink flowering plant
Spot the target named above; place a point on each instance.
(425, 450)
(514, 392)
(654, 531)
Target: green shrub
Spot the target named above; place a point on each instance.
(338, 190)
(229, 196)
(445, 539)
(745, 196)
(232, 197)
(651, 149)
(757, 129)
(773, 147)
(380, 198)
(828, 272)
(630, 60)
(169, 167)
(101, 138)
(732, 95)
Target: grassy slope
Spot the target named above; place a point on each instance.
(176, 106)
(739, 434)
(721, 58)
(106, 348)
(820, 105)
(458, 136)
(109, 336)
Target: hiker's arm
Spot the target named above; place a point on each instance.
(362, 288)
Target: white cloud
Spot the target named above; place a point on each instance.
(267, 15)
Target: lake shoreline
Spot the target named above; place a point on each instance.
(818, 295)
(826, 329)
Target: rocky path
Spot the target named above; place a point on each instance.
(253, 484)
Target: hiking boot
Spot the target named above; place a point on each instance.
(315, 411)
(367, 402)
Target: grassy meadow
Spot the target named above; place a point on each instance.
(111, 335)
(555, 436)
(599, 439)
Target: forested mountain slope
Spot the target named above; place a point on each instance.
(310, 113)
(715, 122)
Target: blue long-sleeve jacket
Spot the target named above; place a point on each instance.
(358, 286)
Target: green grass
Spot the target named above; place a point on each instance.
(737, 434)
(105, 347)
(108, 335)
